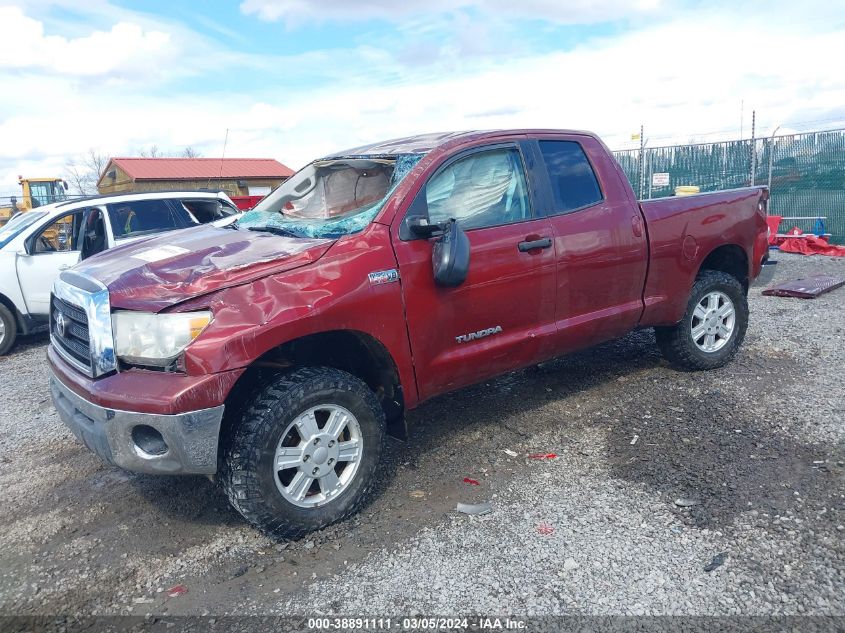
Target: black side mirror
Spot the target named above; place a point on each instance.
(420, 226)
(450, 256)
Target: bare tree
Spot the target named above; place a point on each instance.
(154, 151)
(151, 152)
(83, 171)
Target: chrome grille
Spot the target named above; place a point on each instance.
(69, 330)
(80, 324)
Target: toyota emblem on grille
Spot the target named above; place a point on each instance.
(60, 324)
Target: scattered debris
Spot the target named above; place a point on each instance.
(142, 600)
(511, 453)
(471, 482)
(718, 561)
(308, 545)
(685, 502)
(634, 439)
(484, 507)
(808, 288)
(417, 494)
(570, 564)
(542, 456)
(177, 590)
(545, 528)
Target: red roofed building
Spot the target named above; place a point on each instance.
(235, 176)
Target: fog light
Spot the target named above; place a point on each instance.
(149, 440)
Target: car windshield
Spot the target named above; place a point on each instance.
(330, 198)
(17, 224)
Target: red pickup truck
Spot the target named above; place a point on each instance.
(276, 353)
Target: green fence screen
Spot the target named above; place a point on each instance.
(805, 172)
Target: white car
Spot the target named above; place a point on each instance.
(37, 245)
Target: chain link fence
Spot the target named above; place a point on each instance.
(805, 173)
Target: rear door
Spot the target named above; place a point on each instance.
(501, 316)
(54, 247)
(600, 242)
(140, 218)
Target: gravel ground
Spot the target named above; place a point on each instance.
(754, 452)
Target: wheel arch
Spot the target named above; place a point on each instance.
(352, 351)
(730, 259)
(23, 325)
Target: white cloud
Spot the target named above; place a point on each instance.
(124, 51)
(681, 79)
(294, 12)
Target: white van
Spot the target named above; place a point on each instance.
(37, 245)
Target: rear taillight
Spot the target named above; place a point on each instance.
(763, 204)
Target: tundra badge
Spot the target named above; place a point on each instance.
(472, 336)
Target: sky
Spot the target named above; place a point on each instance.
(297, 79)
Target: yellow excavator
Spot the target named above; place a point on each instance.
(36, 192)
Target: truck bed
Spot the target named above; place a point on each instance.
(685, 230)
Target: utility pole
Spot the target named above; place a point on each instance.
(642, 162)
(753, 146)
(771, 154)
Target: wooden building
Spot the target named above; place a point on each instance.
(235, 176)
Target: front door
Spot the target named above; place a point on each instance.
(54, 248)
(502, 315)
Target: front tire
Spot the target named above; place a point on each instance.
(304, 454)
(713, 325)
(8, 329)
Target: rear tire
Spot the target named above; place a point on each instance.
(713, 325)
(315, 423)
(8, 329)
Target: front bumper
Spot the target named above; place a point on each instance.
(190, 438)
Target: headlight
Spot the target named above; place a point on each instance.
(155, 339)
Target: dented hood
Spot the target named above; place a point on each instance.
(160, 272)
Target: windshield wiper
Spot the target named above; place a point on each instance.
(275, 230)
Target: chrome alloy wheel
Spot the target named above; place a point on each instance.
(2, 331)
(318, 456)
(713, 322)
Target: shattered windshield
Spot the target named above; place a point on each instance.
(330, 198)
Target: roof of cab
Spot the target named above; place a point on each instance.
(55, 209)
(424, 143)
(134, 196)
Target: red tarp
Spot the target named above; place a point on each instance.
(809, 245)
(774, 223)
